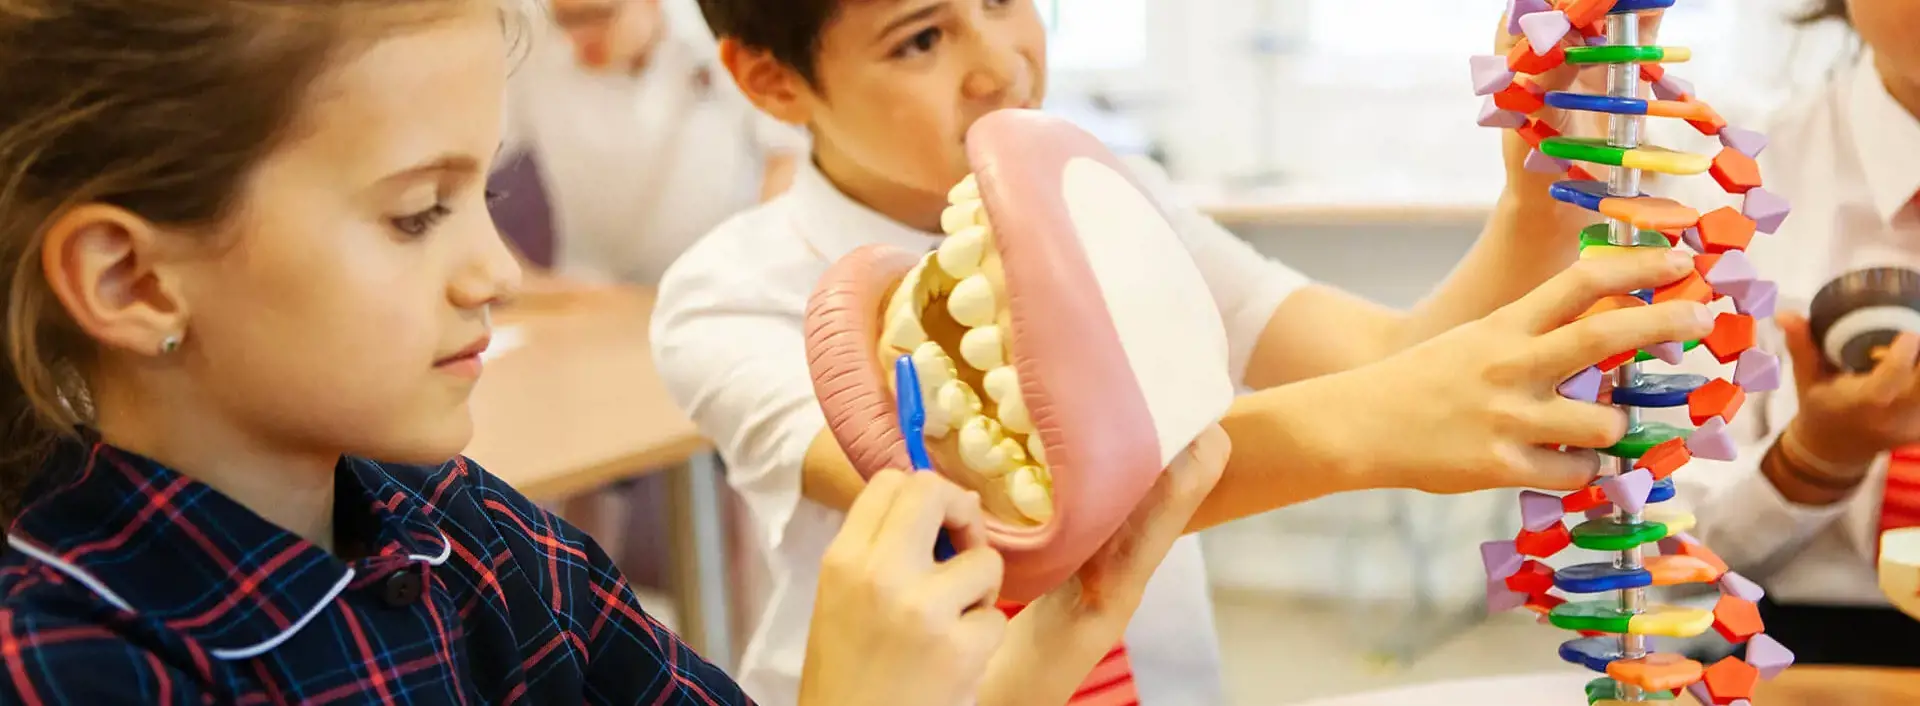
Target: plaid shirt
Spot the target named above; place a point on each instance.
(127, 582)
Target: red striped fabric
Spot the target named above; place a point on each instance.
(1111, 681)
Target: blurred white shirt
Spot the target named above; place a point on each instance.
(638, 167)
(728, 339)
(1847, 157)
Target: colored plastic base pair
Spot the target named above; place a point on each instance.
(1625, 513)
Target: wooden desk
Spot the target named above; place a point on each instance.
(570, 403)
(1798, 686)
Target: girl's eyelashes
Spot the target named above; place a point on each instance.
(419, 224)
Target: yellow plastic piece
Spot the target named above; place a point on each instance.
(1677, 521)
(1675, 55)
(1593, 251)
(1665, 161)
(1671, 621)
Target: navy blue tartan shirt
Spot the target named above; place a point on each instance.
(125, 582)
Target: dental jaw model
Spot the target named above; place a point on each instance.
(1625, 515)
(1066, 347)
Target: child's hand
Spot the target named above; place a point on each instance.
(1847, 419)
(891, 626)
(1059, 638)
(1477, 407)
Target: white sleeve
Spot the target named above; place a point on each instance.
(735, 361)
(1740, 514)
(1247, 286)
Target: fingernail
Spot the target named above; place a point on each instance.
(1679, 259)
(1702, 313)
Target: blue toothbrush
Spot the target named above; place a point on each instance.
(913, 425)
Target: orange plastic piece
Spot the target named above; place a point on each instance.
(1544, 544)
(1725, 229)
(1736, 172)
(1588, 498)
(1691, 288)
(1674, 235)
(1652, 72)
(1697, 551)
(1732, 335)
(1521, 58)
(1703, 263)
(1663, 460)
(1730, 680)
(1656, 672)
(1544, 603)
(1612, 303)
(1675, 570)
(1689, 110)
(1535, 131)
(1533, 577)
(1523, 97)
(1651, 213)
(1584, 12)
(1717, 398)
(1736, 619)
(1709, 126)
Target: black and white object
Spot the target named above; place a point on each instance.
(1864, 311)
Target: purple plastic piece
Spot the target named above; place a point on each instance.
(1629, 491)
(1741, 587)
(1768, 655)
(1691, 237)
(1490, 75)
(1539, 511)
(1757, 371)
(1544, 30)
(1757, 299)
(1501, 599)
(1731, 267)
(1744, 141)
(1671, 88)
(1767, 209)
(1698, 690)
(1584, 386)
(1521, 8)
(1492, 116)
(1712, 442)
(1502, 559)
(1539, 163)
(1671, 352)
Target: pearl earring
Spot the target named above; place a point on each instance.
(169, 344)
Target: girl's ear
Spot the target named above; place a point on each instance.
(103, 263)
(773, 87)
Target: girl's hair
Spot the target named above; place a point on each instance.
(159, 107)
(1823, 10)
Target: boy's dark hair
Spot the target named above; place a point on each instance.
(1823, 10)
(789, 30)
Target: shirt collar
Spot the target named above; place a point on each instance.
(166, 548)
(1888, 140)
(835, 224)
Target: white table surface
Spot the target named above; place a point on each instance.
(1557, 689)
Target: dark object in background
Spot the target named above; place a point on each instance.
(1863, 311)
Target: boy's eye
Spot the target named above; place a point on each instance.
(418, 224)
(921, 42)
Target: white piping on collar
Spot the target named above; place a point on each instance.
(446, 550)
(287, 634)
(74, 572)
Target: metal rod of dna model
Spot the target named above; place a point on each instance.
(1625, 510)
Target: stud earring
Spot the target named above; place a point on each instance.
(169, 344)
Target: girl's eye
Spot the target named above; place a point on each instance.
(998, 3)
(418, 224)
(919, 43)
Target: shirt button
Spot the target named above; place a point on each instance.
(402, 588)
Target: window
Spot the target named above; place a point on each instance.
(1095, 35)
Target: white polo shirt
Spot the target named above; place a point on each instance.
(636, 168)
(727, 337)
(1848, 159)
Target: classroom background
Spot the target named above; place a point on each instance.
(1334, 134)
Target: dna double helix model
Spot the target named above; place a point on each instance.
(1625, 516)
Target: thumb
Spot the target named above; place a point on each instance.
(1808, 365)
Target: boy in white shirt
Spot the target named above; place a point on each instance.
(1800, 512)
(642, 143)
(887, 89)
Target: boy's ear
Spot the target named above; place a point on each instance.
(773, 87)
(103, 264)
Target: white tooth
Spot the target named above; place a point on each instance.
(959, 254)
(1036, 449)
(930, 361)
(983, 348)
(959, 402)
(1013, 415)
(1001, 383)
(1029, 494)
(985, 448)
(972, 302)
(960, 215)
(967, 190)
(903, 332)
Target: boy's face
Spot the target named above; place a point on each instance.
(1892, 27)
(898, 82)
